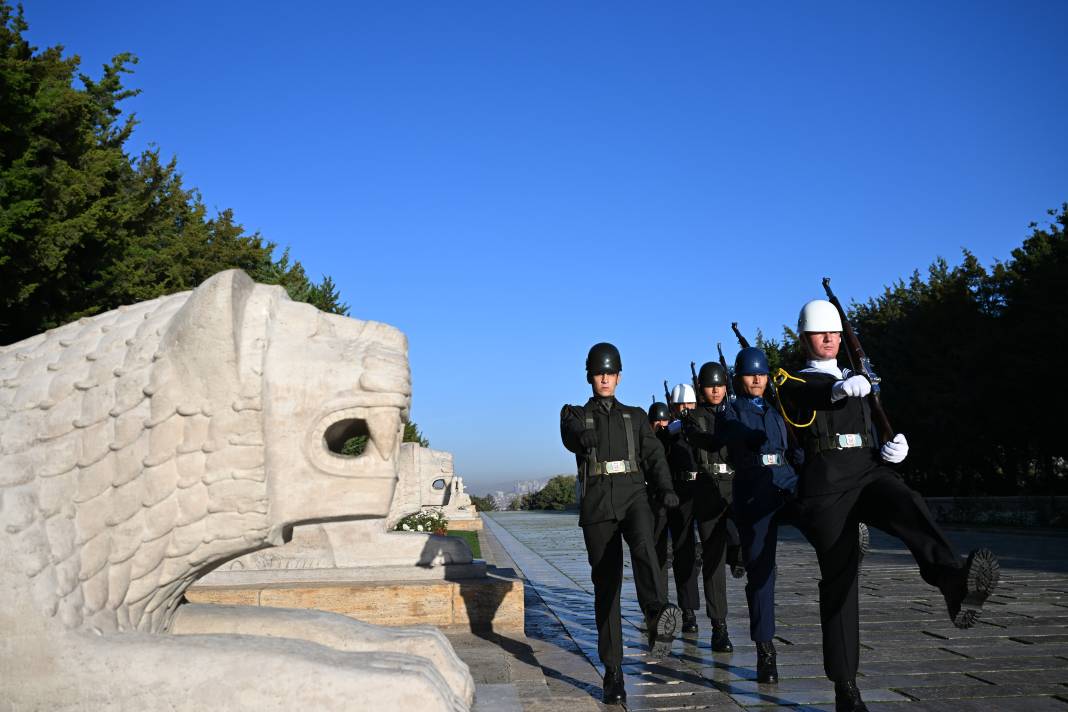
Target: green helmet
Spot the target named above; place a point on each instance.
(712, 374)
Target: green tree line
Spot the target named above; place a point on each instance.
(968, 358)
(557, 494)
(86, 226)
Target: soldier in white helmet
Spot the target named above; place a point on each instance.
(846, 479)
(683, 552)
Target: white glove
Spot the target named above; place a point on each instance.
(674, 426)
(895, 450)
(852, 387)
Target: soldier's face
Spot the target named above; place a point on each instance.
(659, 425)
(715, 394)
(604, 384)
(754, 385)
(823, 345)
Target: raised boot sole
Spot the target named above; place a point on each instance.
(982, 572)
(667, 622)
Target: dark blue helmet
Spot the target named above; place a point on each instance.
(750, 362)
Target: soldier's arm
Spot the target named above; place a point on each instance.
(699, 438)
(572, 423)
(735, 433)
(806, 395)
(653, 460)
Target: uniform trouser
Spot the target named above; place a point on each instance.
(882, 500)
(604, 548)
(660, 544)
(705, 502)
(758, 516)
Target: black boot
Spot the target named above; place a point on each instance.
(721, 642)
(612, 692)
(767, 671)
(689, 621)
(847, 698)
(661, 628)
(967, 593)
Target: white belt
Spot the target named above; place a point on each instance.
(770, 459)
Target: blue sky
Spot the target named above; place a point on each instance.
(511, 182)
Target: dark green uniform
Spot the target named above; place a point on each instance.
(614, 507)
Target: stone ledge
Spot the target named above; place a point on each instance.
(466, 525)
(494, 602)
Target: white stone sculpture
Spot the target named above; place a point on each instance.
(145, 446)
(428, 479)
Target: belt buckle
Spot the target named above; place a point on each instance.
(615, 467)
(721, 468)
(691, 476)
(848, 440)
(769, 459)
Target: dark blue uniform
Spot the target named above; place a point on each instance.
(764, 484)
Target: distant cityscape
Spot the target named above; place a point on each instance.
(502, 499)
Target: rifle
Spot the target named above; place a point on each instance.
(696, 387)
(857, 357)
(742, 341)
(726, 371)
(667, 394)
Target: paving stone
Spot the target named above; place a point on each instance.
(912, 658)
(980, 691)
(496, 698)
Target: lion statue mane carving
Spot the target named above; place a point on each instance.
(145, 446)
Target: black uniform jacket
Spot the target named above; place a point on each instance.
(702, 420)
(828, 471)
(608, 497)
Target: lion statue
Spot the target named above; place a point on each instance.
(143, 447)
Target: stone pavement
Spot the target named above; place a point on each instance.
(912, 658)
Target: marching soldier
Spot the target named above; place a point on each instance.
(614, 446)
(845, 480)
(764, 483)
(679, 522)
(659, 419)
(705, 498)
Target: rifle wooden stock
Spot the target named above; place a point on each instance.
(858, 357)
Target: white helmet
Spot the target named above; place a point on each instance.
(819, 315)
(683, 393)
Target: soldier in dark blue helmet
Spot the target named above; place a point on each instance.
(764, 484)
(616, 451)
